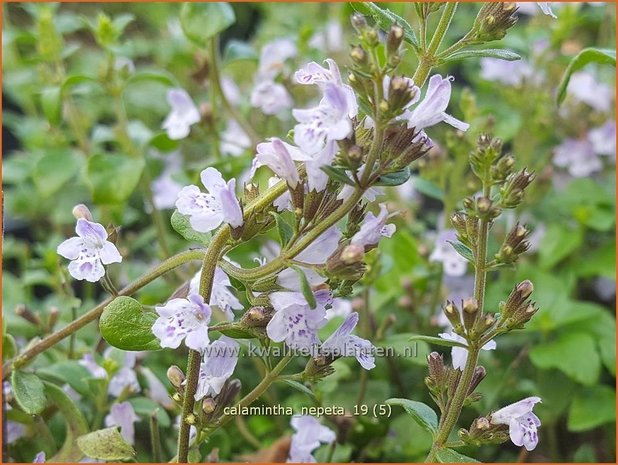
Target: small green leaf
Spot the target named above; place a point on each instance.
(29, 392)
(558, 243)
(421, 413)
(592, 407)
(427, 188)
(305, 287)
(70, 372)
(76, 80)
(385, 18)
(236, 333)
(182, 226)
(396, 178)
(163, 143)
(452, 456)
(51, 101)
(113, 178)
(160, 77)
(437, 341)
(106, 444)
(586, 56)
(125, 325)
(236, 50)
(283, 228)
(76, 424)
(53, 170)
(337, 174)
(299, 387)
(202, 21)
(463, 250)
(500, 54)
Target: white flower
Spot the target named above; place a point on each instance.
(546, 9)
(221, 295)
(432, 109)
(460, 354)
(511, 73)
(343, 343)
(89, 251)
(234, 140)
(374, 228)
(339, 308)
(523, 424)
(183, 319)
(184, 113)
(220, 360)
(123, 415)
(453, 263)
(207, 211)
(284, 201)
(584, 87)
(280, 157)
(578, 157)
(270, 97)
(273, 57)
(308, 437)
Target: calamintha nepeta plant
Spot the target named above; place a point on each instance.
(363, 134)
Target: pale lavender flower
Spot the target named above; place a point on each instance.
(370, 194)
(317, 179)
(546, 9)
(234, 140)
(340, 307)
(329, 121)
(164, 188)
(273, 57)
(221, 295)
(603, 139)
(330, 39)
(125, 379)
(343, 343)
(183, 319)
(453, 264)
(522, 423)
(584, 87)
(284, 201)
(374, 228)
(230, 90)
(156, 389)
(39, 457)
(578, 157)
(459, 355)
(294, 321)
(270, 97)
(511, 73)
(207, 211)
(124, 416)
(432, 109)
(315, 254)
(89, 251)
(309, 435)
(88, 362)
(459, 288)
(184, 113)
(280, 156)
(219, 363)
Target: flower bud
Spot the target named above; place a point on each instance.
(394, 39)
(208, 405)
(257, 317)
(512, 191)
(190, 419)
(470, 310)
(452, 313)
(81, 211)
(358, 55)
(493, 21)
(478, 376)
(359, 22)
(176, 376)
(352, 253)
(54, 314)
(252, 192)
(437, 370)
(27, 314)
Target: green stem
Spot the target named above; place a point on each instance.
(428, 57)
(91, 315)
(215, 79)
(155, 438)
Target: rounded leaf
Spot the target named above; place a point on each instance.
(125, 325)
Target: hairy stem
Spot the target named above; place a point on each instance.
(91, 315)
(428, 58)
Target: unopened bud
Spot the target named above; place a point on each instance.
(208, 405)
(81, 211)
(436, 367)
(257, 317)
(352, 253)
(252, 192)
(190, 419)
(358, 55)
(394, 39)
(27, 314)
(355, 153)
(525, 289)
(482, 423)
(383, 105)
(359, 22)
(176, 376)
(452, 313)
(483, 204)
(177, 397)
(478, 376)
(470, 310)
(54, 314)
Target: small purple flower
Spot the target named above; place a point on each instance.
(294, 321)
(184, 113)
(584, 87)
(165, 189)
(183, 319)
(343, 343)
(603, 139)
(271, 97)
(329, 121)
(374, 228)
(39, 457)
(309, 435)
(452, 263)
(317, 179)
(578, 157)
(156, 389)
(125, 379)
(340, 307)
(207, 211)
(432, 109)
(315, 254)
(220, 360)
(221, 295)
(511, 73)
(88, 362)
(273, 57)
(522, 423)
(460, 354)
(89, 251)
(123, 415)
(280, 157)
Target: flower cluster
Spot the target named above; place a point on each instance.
(309, 435)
